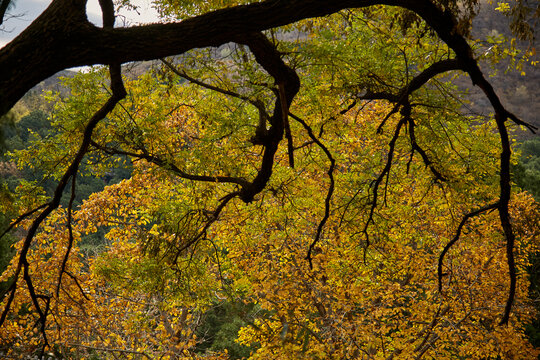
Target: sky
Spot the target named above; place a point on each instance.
(28, 10)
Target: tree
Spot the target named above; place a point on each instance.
(198, 159)
(146, 294)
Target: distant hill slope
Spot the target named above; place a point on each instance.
(521, 94)
(33, 99)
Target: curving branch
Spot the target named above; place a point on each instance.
(118, 93)
(443, 23)
(385, 173)
(456, 237)
(70, 236)
(172, 167)
(260, 131)
(437, 68)
(402, 99)
(61, 37)
(329, 193)
(270, 60)
(184, 75)
(107, 9)
(425, 158)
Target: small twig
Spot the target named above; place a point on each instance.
(22, 217)
(231, 93)
(77, 283)
(172, 167)
(423, 154)
(112, 350)
(215, 215)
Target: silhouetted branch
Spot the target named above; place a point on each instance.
(384, 173)
(172, 167)
(425, 158)
(330, 191)
(456, 237)
(22, 264)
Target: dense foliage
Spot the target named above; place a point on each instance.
(377, 230)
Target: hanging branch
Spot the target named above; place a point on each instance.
(401, 99)
(17, 221)
(330, 191)
(384, 173)
(22, 265)
(444, 24)
(212, 218)
(425, 158)
(270, 60)
(286, 125)
(118, 93)
(464, 220)
(70, 236)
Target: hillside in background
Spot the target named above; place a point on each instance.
(33, 101)
(520, 93)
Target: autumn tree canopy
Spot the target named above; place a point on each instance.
(310, 159)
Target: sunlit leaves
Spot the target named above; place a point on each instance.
(188, 128)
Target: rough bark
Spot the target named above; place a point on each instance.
(62, 37)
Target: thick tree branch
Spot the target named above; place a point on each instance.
(269, 58)
(62, 37)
